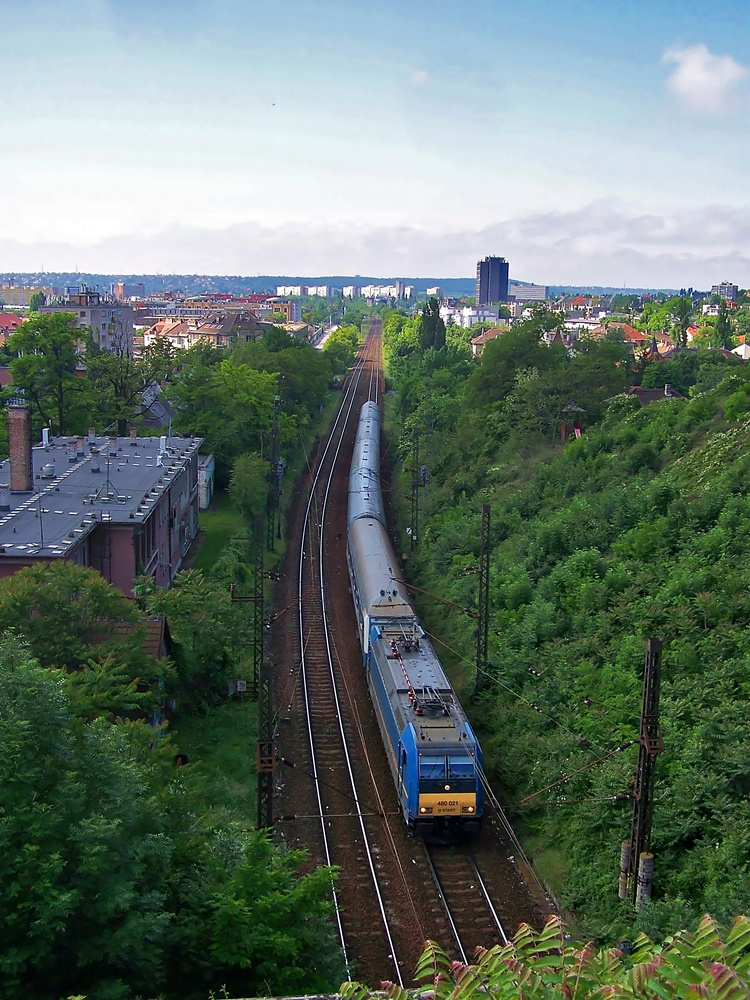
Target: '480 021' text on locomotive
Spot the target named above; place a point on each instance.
(434, 756)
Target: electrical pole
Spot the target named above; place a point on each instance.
(273, 482)
(650, 745)
(415, 489)
(483, 600)
(266, 749)
(258, 630)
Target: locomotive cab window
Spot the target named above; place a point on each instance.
(461, 767)
(432, 768)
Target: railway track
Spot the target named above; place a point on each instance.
(343, 824)
(466, 898)
(389, 896)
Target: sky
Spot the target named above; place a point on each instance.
(588, 142)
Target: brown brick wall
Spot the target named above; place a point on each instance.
(19, 447)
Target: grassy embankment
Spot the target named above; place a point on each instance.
(221, 743)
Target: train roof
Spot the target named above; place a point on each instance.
(419, 690)
(380, 590)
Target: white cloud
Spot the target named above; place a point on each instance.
(607, 242)
(418, 77)
(700, 80)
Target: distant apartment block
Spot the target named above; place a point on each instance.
(726, 290)
(122, 506)
(317, 291)
(123, 291)
(528, 293)
(436, 292)
(110, 321)
(20, 295)
(492, 281)
(395, 291)
(351, 291)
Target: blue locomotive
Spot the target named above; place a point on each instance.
(433, 753)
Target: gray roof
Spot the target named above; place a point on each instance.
(71, 498)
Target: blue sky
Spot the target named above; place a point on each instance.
(588, 142)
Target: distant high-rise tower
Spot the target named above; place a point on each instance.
(492, 280)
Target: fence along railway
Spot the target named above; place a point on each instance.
(336, 794)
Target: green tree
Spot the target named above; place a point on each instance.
(212, 635)
(44, 367)
(73, 620)
(431, 326)
(724, 326)
(37, 299)
(83, 856)
(248, 485)
(120, 380)
(681, 310)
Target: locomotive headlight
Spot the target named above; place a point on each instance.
(467, 809)
(447, 788)
(424, 810)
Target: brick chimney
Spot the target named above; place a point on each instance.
(19, 446)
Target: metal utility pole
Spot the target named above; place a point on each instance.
(650, 745)
(266, 749)
(483, 601)
(258, 630)
(273, 482)
(415, 489)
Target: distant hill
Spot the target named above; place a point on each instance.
(236, 284)
(192, 284)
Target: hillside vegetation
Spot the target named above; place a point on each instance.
(640, 528)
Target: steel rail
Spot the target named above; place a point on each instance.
(444, 901)
(352, 384)
(487, 898)
(346, 407)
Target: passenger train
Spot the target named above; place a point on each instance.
(433, 753)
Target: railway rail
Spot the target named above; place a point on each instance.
(339, 792)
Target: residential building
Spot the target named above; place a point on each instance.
(467, 316)
(123, 506)
(123, 290)
(289, 309)
(528, 293)
(220, 329)
(110, 321)
(9, 323)
(479, 343)
(351, 291)
(492, 281)
(20, 295)
(726, 290)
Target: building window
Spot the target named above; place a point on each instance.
(145, 544)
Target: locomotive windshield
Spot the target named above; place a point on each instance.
(461, 767)
(432, 767)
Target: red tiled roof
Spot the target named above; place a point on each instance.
(490, 334)
(9, 322)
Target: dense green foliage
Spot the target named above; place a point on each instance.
(637, 529)
(708, 963)
(113, 886)
(227, 396)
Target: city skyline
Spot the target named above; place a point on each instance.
(586, 145)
